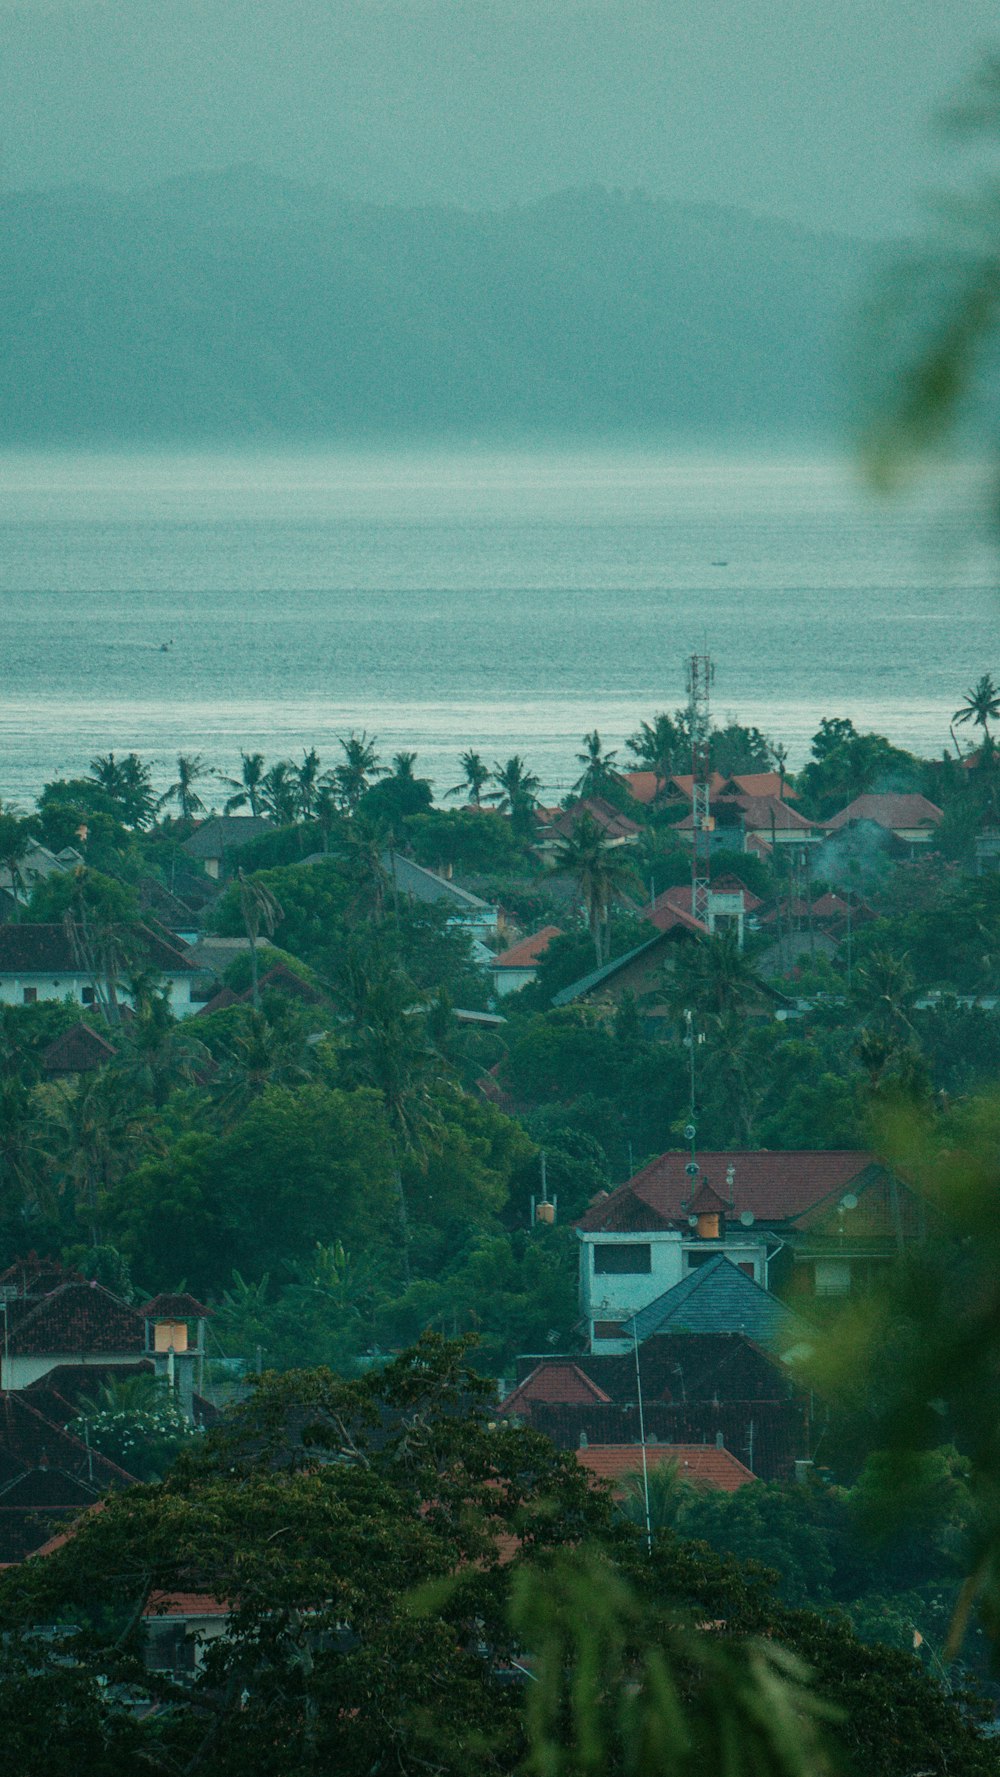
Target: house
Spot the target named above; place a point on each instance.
(55, 1320)
(638, 972)
(80, 1050)
(556, 824)
(179, 1628)
(824, 1222)
(43, 962)
(411, 882)
(730, 904)
(37, 865)
(697, 1388)
(47, 1477)
(518, 967)
(216, 841)
(909, 819)
(721, 1296)
(741, 822)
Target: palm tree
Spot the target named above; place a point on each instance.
(308, 783)
(516, 792)
(259, 911)
(713, 977)
(884, 988)
(365, 849)
(661, 746)
(15, 843)
(98, 1134)
(601, 872)
(981, 706)
(248, 787)
(598, 773)
(390, 1052)
(475, 777)
(156, 1054)
(402, 766)
(129, 784)
(280, 793)
(361, 764)
(261, 1054)
(190, 767)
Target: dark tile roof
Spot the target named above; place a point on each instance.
(28, 1440)
(603, 814)
(719, 1298)
(281, 979)
(222, 833)
(79, 1318)
(772, 1187)
(418, 884)
(48, 950)
(79, 1050)
(34, 1276)
(578, 990)
(176, 1307)
(674, 1368)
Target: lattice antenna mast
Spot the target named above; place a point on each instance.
(700, 674)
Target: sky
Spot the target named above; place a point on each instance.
(818, 111)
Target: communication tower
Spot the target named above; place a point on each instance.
(700, 674)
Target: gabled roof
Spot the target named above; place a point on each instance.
(79, 1050)
(758, 814)
(704, 1465)
(717, 1298)
(419, 884)
(758, 783)
(526, 954)
(597, 977)
(48, 950)
(281, 979)
(645, 786)
(554, 1380)
(178, 1307)
(890, 811)
(772, 1187)
(31, 1441)
(673, 908)
(228, 832)
(683, 784)
(75, 1318)
(604, 815)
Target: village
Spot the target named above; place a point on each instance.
(604, 1091)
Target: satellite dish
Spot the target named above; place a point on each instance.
(849, 1201)
(692, 1221)
(747, 1218)
(689, 1132)
(692, 1169)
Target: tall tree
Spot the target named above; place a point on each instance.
(601, 871)
(260, 911)
(190, 769)
(599, 774)
(248, 788)
(981, 705)
(360, 766)
(662, 746)
(15, 843)
(279, 793)
(475, 777)
(308, 775)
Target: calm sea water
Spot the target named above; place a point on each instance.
(445, 601)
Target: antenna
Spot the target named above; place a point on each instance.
(700, 673)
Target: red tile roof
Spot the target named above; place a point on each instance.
(889, 811)
(644, 786)
(603, 814)
(773, 1187)
(555, 1380)
(760, 783)
(525, 954)
(183, 1604)
(705, 1465)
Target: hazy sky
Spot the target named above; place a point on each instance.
(817, 110)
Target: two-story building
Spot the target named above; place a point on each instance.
(816, 1222)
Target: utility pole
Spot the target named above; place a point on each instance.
(700, 674)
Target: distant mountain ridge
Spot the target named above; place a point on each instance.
(241, 306)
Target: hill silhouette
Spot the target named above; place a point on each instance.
(241, 306)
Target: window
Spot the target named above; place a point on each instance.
(88, 996)
(30, 995)
(833, 1277)
(631, 1259)
(608, 1329)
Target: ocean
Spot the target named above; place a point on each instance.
(447, 600)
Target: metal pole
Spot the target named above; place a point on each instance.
(642, 1438)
